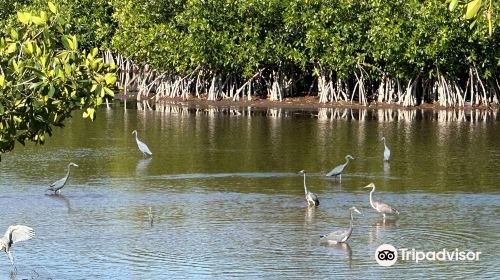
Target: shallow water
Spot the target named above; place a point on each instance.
(227, 200)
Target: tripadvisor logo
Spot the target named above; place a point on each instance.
(387, 255)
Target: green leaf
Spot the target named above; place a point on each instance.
(51, 90)
(11, 48)
(38, 20)
(453, 5)
(90, 113)
(65, 42)
(2, 82)
(52, 7)
(24, 18)
(472, 9)
(13, 34)
(110, 78)
(109, 91)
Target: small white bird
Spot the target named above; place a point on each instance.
(387, 152)
(142, 147)
(312, 198)
(13, 235)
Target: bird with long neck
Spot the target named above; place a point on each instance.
(311, 198)
(337, 171)
(59, 184)
(379, 206)
(341, 236)
(14, 234)
(387, 152)
(141, 145)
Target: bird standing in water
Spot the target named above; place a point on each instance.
(381, 207)
(337, 171)
(341, 236)
(312, 199)
(59, 184)
(142, 147)
(387, 152)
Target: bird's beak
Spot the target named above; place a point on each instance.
(368, 186)
(301, 172)
(76, 165)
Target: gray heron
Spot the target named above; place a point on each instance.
(387, 152)
(337, 171)
(381, 207)
(142, 147)
(14, 234)
(59, 184)
(312, 199)
(340, 236)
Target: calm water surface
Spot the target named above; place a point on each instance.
(228, 202)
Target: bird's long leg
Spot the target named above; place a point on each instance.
(11, 258)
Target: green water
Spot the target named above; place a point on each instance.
(227, 200)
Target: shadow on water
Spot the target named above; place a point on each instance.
(60, 198)
(340, 250)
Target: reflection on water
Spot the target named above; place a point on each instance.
(380, 228)
(327, 114)
(62, 199)
(221, 198)
(142, 164)
(340, 251)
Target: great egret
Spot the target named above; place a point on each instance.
(142, 147)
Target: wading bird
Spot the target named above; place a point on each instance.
(380, 206)
(340, 236)
(312, 199)
(337, 171)
(142, 147)
(387, 152)
(13, 235)
(59, 184)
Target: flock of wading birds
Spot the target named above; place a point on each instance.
(17, 233)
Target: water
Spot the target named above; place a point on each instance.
(228, 203)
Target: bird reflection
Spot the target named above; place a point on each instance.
(150, 216)
(381, 225)
(141, 165)
(387, 167)
(62, 198)
(341, 248)
(309, 216)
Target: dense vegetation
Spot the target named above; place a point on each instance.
(44, 75)
(403, 51)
